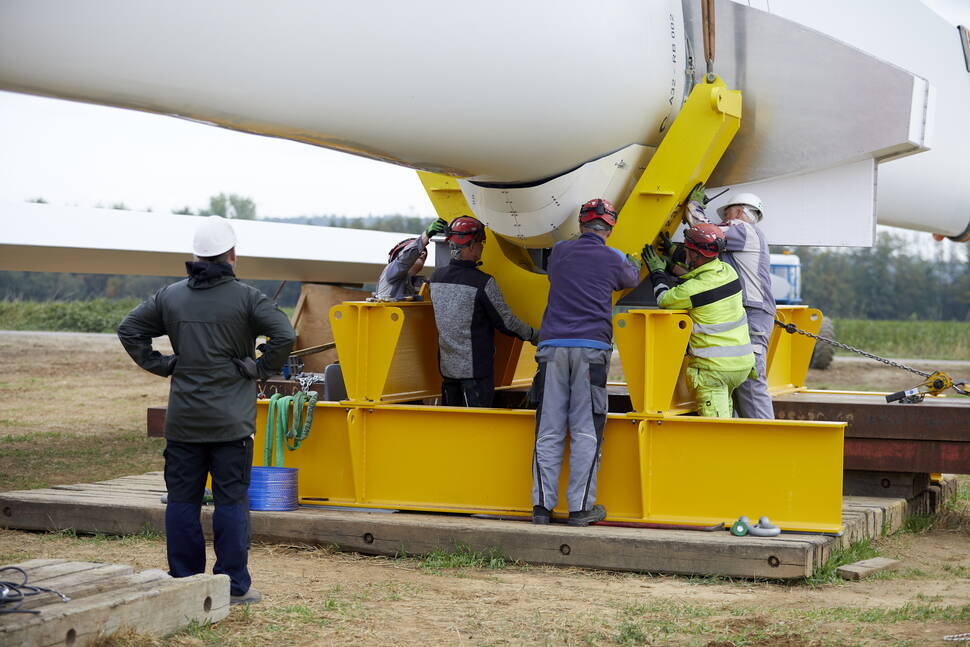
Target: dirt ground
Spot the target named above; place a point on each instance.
(72, 408)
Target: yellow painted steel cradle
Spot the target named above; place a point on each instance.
(659, 465)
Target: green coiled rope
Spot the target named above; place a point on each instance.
(287, 424)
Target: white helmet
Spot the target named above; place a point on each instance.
(213, 237)
(745, 200)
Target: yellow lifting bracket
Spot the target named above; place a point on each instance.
(687, 155)
(697, 139)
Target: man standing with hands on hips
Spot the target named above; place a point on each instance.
(212, 321)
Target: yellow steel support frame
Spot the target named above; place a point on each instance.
(657, 466)
(678, 470)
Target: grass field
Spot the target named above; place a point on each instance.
(926, 339)
(72, 409)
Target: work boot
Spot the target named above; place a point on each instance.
(252, 596)
(541, 515)
(586, 517)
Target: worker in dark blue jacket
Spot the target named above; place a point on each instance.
(575, 346)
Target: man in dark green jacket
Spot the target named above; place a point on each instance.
(212, 321)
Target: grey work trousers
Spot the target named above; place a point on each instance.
(570, 387)
(751, 399)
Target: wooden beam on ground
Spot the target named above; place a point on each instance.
(110, 598)
(867, 567)
(131, 504)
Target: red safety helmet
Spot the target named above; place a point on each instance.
(391, 255)
(705, 239)
(465, 230)
(598, 209)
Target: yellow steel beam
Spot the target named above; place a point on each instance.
(680, 470)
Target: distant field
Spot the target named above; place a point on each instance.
(97, 315)
(925, 339)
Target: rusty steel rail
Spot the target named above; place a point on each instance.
(932, 436)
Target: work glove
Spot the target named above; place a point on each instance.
(694, 209)
(165, 363)
(677, 264)
(635, 261)
(534, 339)
(437, 227)
(247, 367)
(667, 245)
(653, 260)
(697, 194)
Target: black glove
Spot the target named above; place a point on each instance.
(667, 245)
(247, 367)
(171, 359)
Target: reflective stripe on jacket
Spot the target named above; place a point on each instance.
(711, 294)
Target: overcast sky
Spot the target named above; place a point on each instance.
(79, 154)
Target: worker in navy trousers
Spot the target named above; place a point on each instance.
(212, 321)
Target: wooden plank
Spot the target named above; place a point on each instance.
(153, 607)
(33, 564)
(90, 515)
(902, 485)
(44, 573)
(108, 490)
(81, 583)
(100, 508)
(867, 567)
(894, 510)
(94, 571)
(668, 551)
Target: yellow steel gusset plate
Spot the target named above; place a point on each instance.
(680, 470)
(789, 355)
(388, 351)
(652, 344)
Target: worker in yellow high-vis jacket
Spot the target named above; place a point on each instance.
(721, 355)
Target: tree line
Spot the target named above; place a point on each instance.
(890, 280)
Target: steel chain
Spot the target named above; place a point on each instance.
(958, 637)
(307, 379)
(790, 328)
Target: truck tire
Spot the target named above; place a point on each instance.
(823, 353)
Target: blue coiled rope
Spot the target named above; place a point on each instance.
(273, 487)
